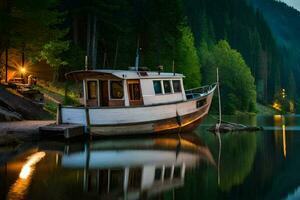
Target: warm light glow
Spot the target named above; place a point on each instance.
(277, 117)
(19, 189)
(284, 140)
(25, 172)
(23, 70)
(276, 106)
(32, 160)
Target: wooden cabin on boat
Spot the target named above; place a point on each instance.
(136, 102)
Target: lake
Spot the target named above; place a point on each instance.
(261, 165)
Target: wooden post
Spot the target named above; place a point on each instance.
(220, 108)
(23, 62)
(87, 115)
(173, 68)
(59, 115)
(6, 64)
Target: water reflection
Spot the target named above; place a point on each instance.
(19, 189)
(109, 169)
(262, 165)
(280, 134)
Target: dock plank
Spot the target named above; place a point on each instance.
(67, 130)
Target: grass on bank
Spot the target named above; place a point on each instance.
(55, 93)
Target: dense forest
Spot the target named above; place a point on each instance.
(196, 36)
(284, 21)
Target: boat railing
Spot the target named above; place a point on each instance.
(200, 91)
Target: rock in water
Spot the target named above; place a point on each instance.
(233, 127)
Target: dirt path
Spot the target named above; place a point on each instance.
(23, 126)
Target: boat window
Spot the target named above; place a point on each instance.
(167, 87)
(158, 174)
(168, 171)
(176, 86)
(134, 91)
(116, 89)
(92, 89)
(157, 87)
(135, 178)
(116, 180)
(177, 172)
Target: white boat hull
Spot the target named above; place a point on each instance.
(173, 117)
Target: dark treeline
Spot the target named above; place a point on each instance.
(194, 36)
(284, 22)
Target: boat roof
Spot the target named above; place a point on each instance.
(106, 74)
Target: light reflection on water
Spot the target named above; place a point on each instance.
(19, 189)
(262, 165)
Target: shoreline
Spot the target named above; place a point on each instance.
(12, 133)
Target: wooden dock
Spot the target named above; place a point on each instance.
(66, 130)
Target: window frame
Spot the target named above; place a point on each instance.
(88, 89)
(110, 90)
(180, 87)
(161, 87)
(170, 84)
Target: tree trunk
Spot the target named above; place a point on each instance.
(75, 30)
(104, 60)
(88, 38)
(94, 44)
(116, 54)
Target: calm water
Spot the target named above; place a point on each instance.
(263, 165)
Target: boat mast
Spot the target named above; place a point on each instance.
(86, 63)
(137, 59)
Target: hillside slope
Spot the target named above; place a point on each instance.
(284, 22)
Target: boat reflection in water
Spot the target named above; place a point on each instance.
(135, 169)
(131, 168)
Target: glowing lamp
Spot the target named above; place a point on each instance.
(23, 70)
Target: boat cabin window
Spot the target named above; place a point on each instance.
(167, 86)
(158, 174)
(116, 89)
(177, 172)
(92, 89)
(135, 178)
(168, 173)
(157, 87)
(176, 86)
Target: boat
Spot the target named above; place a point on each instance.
(130, 102)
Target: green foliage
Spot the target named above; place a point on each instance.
(51, 53)
(33, 24)
(246, 31)
(188, 61)
(236, 82)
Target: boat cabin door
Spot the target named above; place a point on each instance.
(134, 92)
(92, 94)
(96, 93)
